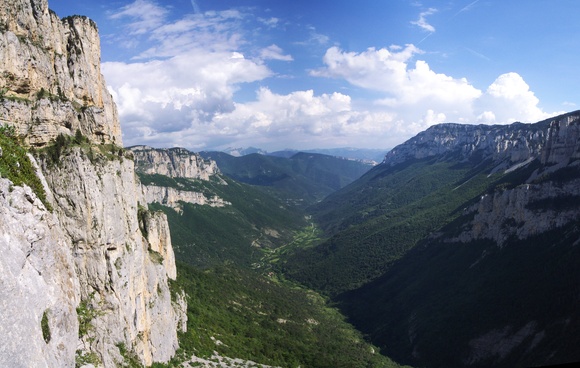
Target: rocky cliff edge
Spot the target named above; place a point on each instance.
(86, 280)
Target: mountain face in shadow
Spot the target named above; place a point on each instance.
(460, 248)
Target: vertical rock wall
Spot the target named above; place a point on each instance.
(122, 253)
(173, 162)
(37, 281)
(93, 271)
(50, 79)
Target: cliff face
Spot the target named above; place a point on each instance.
(502, 143)
(544, 198)
(172, 197)
(176, 163)
(94, 270)
(38, 281)
(122, 255)
(50, 79)
(550, 145)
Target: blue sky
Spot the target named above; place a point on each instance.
(211, 74)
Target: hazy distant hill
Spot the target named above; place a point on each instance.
(373, 156)
(461, 248)
(302, 179)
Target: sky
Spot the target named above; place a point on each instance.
(304, 74)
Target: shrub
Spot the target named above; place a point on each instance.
(15, 164)
(45, 327)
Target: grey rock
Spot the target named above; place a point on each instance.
(174, 162)
(51, 75)
(90, 252)
(36, 276)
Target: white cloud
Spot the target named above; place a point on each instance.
(209, 32)
(510, 99)
(420, 97)
(195, 7)
(170, 95)
(314, 38)
(183, 88)
(271, 22)
(422, 21)
(273, 52)
(390, 72)
(300, 117)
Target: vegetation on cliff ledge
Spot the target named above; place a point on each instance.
(15, 165)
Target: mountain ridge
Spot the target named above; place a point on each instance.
(300, 180)
(460, 248)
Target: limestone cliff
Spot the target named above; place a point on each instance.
(550, 150)
(172, 197)
(177, 163)
(50, 79)
(38, 281)
(505, 144)
(122, 254)
(86, 281)
(546, 197)
(173, 162)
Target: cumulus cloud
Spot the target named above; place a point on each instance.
(420, 97)
(391, 72)
(183, 88)
(300, 117)
(509, 99)
(170, 95)
(307, 120)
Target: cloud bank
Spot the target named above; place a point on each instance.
(184, 88)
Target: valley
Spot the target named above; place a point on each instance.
(240, 303)
(459, 249)
(434, 232)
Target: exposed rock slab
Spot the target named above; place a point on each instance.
(174, 163)
(90, 266)
(37, 277)
(51, 77)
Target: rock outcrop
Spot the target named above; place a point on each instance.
(505, 144)
(172, 197)
(50, 79)
(174, 163)
(87, 281)
(122, 254)
(38, 282)
(538, 204)
(177, 163)
(516, 213)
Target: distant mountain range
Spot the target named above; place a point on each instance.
(300, 179)
(372, 156)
